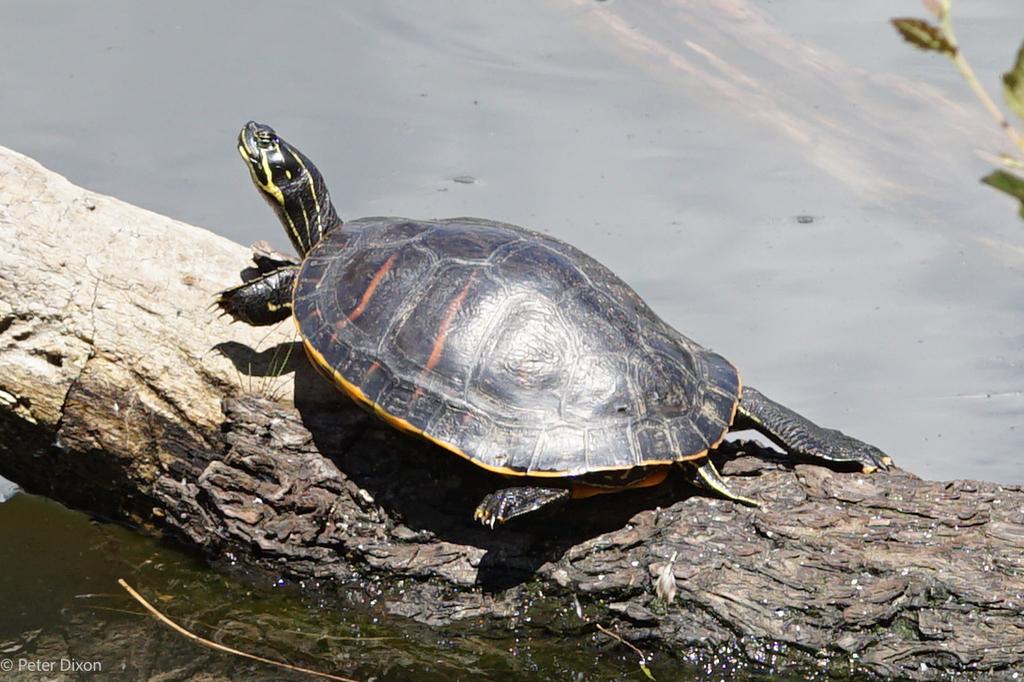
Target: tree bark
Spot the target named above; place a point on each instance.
(124, 395)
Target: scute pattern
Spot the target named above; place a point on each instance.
(511, 348)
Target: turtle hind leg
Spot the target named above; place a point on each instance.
(261, 301)
(508, 503)
(801, 437)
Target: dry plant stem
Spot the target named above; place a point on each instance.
(220, 647)
(986, 101)
(942, 11)
(642, 655)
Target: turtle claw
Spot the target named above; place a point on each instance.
(262, 301)
(501, 505)
(851, 449)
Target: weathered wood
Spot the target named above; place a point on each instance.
(123, 395)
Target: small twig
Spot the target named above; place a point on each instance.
(642, 655)
(220, 647)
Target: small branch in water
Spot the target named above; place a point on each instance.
(642, 655)
(220, 647)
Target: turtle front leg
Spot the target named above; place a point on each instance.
(508, 503)
(261, 301)
(799, 436)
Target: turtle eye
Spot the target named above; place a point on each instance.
(265, 138)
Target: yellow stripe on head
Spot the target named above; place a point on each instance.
(313, 192)
(262, 178)
(268, 185)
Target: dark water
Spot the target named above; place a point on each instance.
(785, 182)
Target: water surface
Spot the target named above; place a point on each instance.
(676, 142)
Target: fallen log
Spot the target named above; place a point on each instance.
(123, 395)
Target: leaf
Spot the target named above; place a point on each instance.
(1008, 183)
(921, 34)
(665, 588)
(1013, 85)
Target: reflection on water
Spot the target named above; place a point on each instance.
(7, 489)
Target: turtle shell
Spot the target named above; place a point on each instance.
(507, 347)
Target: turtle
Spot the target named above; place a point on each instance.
(505, 346)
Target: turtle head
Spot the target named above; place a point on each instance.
(290, 183)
